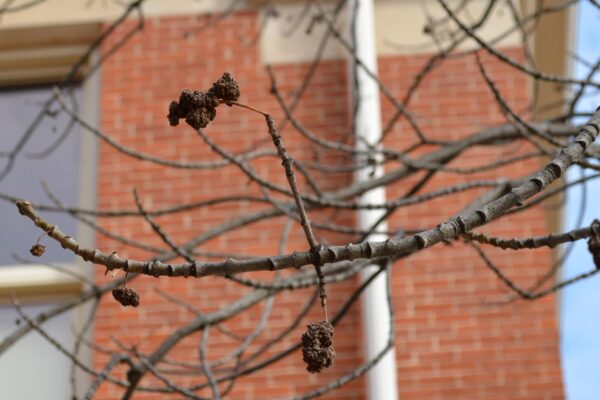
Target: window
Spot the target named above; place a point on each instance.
(51, 156)
(39, 161)
(68, 171)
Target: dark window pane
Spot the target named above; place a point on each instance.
(60, 170)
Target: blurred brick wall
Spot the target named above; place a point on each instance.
(453, 340)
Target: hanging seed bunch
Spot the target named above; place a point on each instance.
(317, 346)
(200, 108)
(594, 243)
(126, 296)
(37, 250)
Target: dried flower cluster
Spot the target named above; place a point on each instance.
(37, 250)
(199, 108)
(317, 346)
(226, 88)
(126, 296)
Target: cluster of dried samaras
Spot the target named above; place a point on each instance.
(199, 108)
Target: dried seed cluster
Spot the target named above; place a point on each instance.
(199, 108)
(317, 346)
(594, 243)
(126, 296)
(37, 250)
(225, 88)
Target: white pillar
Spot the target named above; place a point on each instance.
(381, 379)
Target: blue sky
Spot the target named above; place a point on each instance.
(580, 323)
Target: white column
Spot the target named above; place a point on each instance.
(381, 380)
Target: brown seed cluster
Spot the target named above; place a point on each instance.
(594, 243)
(226, 88)
(317, 346)
(126, 296)
(37, 250)
(199, 108)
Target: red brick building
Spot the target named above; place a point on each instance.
(454, 340)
